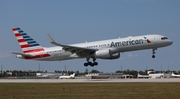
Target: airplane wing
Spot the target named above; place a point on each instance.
(22, 54)
(80, 51)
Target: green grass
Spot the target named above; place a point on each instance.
(90, 91)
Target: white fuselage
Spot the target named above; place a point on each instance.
(72, 76)
(119, 45)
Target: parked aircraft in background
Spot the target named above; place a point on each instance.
(105, 49)
(174, 75)
(72, 76)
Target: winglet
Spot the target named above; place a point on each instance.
(53, 42)
(51, 39)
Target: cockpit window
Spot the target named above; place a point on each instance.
(164, 38)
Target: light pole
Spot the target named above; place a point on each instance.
(168, 72)
(168, 68)
(121, 68)
(146, 69)
(65, 67)
(161, 69)
(39, 67)
(1, 69)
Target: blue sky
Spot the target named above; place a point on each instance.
(76, 21)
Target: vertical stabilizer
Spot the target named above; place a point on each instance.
(27, 44)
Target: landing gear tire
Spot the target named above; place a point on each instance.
(91, 64)
(85, 64)
(153, 52)
(95, 63)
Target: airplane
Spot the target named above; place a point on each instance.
(174, 75)
(72, 76)
(104, 49)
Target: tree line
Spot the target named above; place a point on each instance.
(30, 73)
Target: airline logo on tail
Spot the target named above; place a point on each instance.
(27, 44)
(147, 40)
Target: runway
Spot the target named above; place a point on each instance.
(170, 80)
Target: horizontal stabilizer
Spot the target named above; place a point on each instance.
(22, 54)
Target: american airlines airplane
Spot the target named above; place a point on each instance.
(105, 49)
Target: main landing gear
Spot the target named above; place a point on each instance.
(90, 63)
(153, 52)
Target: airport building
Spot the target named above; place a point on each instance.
(49, 75)
(155, 76)
(108, 76)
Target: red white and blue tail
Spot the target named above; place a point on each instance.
(27, 44)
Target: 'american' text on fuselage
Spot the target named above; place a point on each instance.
(126, 43)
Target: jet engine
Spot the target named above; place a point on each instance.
(106, 54)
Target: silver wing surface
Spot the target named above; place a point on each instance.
(80, 51)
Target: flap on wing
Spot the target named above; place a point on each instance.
(22, 54)
(80, 51)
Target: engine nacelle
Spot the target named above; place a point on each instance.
(106, 54)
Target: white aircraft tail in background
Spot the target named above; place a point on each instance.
(174, 75)
(104, 49)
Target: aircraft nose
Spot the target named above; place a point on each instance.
(170, 42)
